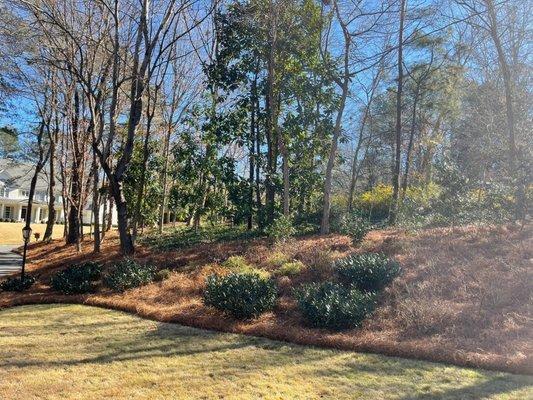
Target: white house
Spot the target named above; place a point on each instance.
(15, 179)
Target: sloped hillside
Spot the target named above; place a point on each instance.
(464, 296)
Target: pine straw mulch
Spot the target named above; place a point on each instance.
(464, 296)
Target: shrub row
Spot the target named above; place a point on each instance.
(246, 294)
(346, 304)
(82, 278)
(15, 284)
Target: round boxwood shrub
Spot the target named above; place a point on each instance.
(334, 306)
(15, 284)
(369, 271)
(129, 274)
(77, 279)
(244, 295)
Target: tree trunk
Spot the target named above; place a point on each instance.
(166, 151)
(326, 206)
(73, 235)
(146, 154)
(398, 142)
(410, 144)
(51, 189)
(520, 203)
(251, 159)
(271, 123)
(96, 205)
(126, 242)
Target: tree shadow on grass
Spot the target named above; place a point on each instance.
(497, 385)
(126, 342)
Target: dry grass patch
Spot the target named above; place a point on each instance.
(11, 232)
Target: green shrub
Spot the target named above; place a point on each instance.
(236, 264)
(353, 225)
(239, 265)
(277, 259)
(243, 296)
(128, 274)
(281, 229)
(290, 268)
(77, 278)
(16, 284)
(333, 306)
(162, 274)
(369, 271)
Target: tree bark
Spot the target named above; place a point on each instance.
(96, 205)
(344, 82)
(520, 203)
(410, 144)
(398, 137)
(73, 235)
(51, 186)
(251, 152)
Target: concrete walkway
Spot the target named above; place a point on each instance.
(10, 263)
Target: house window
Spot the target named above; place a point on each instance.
(8, 212)
(25, 193)
(5, 192)
(23, 213)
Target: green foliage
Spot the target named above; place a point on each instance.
(77, 278)
(9, 142)
(238, 264)
(243, 296)
(149, 207)
(277, 259)
(162, 274)
(368, 272)
(375, 203)
(290, 268)
(128, 274)
(333, 306)
(15, 284)
(353, 225)
(281, 229)
(183, 237)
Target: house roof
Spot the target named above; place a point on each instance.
(15, 174)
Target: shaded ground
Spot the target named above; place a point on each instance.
(78, 352)
(464, 297)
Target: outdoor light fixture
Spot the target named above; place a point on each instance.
(26, 234)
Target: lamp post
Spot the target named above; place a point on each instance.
(26, 234)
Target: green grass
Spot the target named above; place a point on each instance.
(182, 237)
(79, 352)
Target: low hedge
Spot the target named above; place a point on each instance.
(129, 274)
(333, 306)
(15, 284)
(242, 295)
(77, 279)
(369, 271)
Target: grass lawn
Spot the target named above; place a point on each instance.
(79, 352)
(11, 232)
